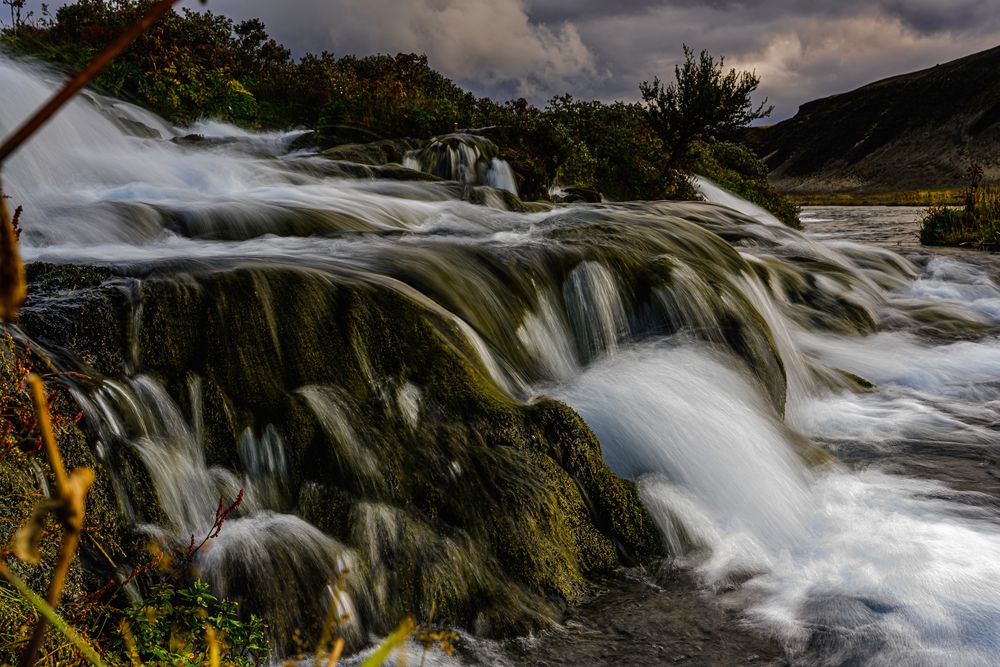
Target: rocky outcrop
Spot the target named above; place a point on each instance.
(501, 509)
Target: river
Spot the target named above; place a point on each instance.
(895, 564)
(809, 418)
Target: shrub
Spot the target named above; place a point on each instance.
(975, 224)
(735, 168)
(704, 101)
(169, 628)
(738, 158)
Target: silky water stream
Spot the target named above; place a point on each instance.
(811, 416)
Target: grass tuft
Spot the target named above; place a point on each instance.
(975, 225)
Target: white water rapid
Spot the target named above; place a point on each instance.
(810, 420)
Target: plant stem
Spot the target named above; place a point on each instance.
(50, 614)
(71, 492)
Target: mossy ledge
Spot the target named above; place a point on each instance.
(503, 509)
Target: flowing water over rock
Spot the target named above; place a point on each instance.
(467, 158)
(806, 419)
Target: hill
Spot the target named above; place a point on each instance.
(917, 130)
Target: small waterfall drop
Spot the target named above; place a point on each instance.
(272, 562)
(723, 444)
(466, 158)
(710, 191)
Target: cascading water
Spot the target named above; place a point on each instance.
(711, 191)
(716, 358)
(466, 158)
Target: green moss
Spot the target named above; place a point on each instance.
(496, 511)
(523, 488)
(615, 501)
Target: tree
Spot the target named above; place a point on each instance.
(704, 101)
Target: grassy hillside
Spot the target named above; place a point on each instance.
(915, 131)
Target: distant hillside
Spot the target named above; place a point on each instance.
(918, 130)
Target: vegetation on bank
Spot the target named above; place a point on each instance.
(167, 626)
(736, 168)
(924, 198)
(192, 65)
(975, 224)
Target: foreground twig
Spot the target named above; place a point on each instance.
(13, 288)
(68, 501)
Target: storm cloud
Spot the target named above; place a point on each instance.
(603, 50)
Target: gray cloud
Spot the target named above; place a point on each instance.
(597, 49)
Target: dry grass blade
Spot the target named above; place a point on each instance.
(213, 646)
(336, 652)
(68, 505)
(129, 639)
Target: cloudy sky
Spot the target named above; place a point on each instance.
(802, 49)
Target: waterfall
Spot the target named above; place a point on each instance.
(371, 361)
(711, 191)
(466, 158)
(285, 557)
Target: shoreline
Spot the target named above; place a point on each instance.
(917, 197)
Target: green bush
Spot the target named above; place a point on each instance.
(704, 101)
(976, 224)
(630, 157)
(738, 158)
(169, 628)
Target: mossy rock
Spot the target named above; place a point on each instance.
(510, 506)
(381, 152)
(68, 315)
(525, 484)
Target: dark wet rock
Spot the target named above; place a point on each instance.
(504, 510)
(305, 141)
(348, 169)
(381, 152)
(202, 141)
(76, 311)
(577, 194)
(137, 129)
(647, 622)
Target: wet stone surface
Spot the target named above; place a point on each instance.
(637, 622)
